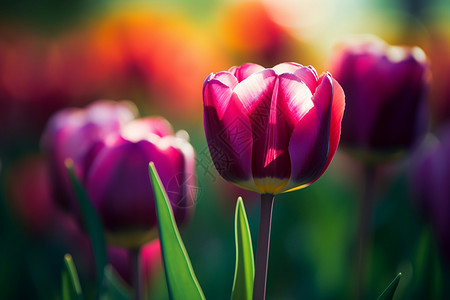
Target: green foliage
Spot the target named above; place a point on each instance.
(245, 268)
(181, 280)
(92, 224)
(71, 289)
(389, 292)
(116, 290)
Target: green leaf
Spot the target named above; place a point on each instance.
(245, 268)
(388, 293)
(116, 289)
(71, 288)
(92, 224)
(181, 281)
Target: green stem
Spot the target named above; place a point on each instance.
(364, 237)
(262, 250)
(136, 275)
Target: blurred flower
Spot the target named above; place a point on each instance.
(77, 134)
(28, 188)
(156, 50)
(111, 151)
(429, 182)
(247, 30)
(440, 64)
(272, 130)
(385, 88)
(150, 257)
(118, 185)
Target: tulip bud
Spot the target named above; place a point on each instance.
(385, 88)
(75, 133)
(118, 185)
(272, 130)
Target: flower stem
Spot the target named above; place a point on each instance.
(365, 217)
(136, 275)
(262, 250)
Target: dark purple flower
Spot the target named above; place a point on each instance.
(385, 88)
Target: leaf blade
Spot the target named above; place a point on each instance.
(93, 225)
(181, 280)
(116, 289)
(245, 268)
(389, 292)
(71, 288)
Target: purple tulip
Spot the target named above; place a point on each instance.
(272, 130)
(118, 185)
(430, 184)
(385, 88)
(76, 134)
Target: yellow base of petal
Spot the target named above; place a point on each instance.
(270, 185)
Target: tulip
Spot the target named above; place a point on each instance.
(385, 88)
(75, 133)
(117, 180)
(272, 130)
(430, 176)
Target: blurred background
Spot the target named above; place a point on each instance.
(55, 54)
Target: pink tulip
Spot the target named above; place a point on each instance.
(272, 130)
(118, 185)
(76, 133)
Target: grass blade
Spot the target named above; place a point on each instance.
(71, 289)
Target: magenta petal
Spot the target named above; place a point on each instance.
(182, 188)
(140, 127)
(216, 94)
(309, 144)
(242, 72)
(228, 133)
(271, 133)
(287, 67)
(296, 96)
(309, 76)
(126, 165)
(256, 89)
(337, 112)
(226, 78)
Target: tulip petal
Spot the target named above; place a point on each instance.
(297, 97)
(337, 112)
(138, 129)
(271, 132)
(182, 189)
(309, 76)
(228, 133)
(255, 89)
(287, 67)
(106, 180)
(309, 144)
(242, 72)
